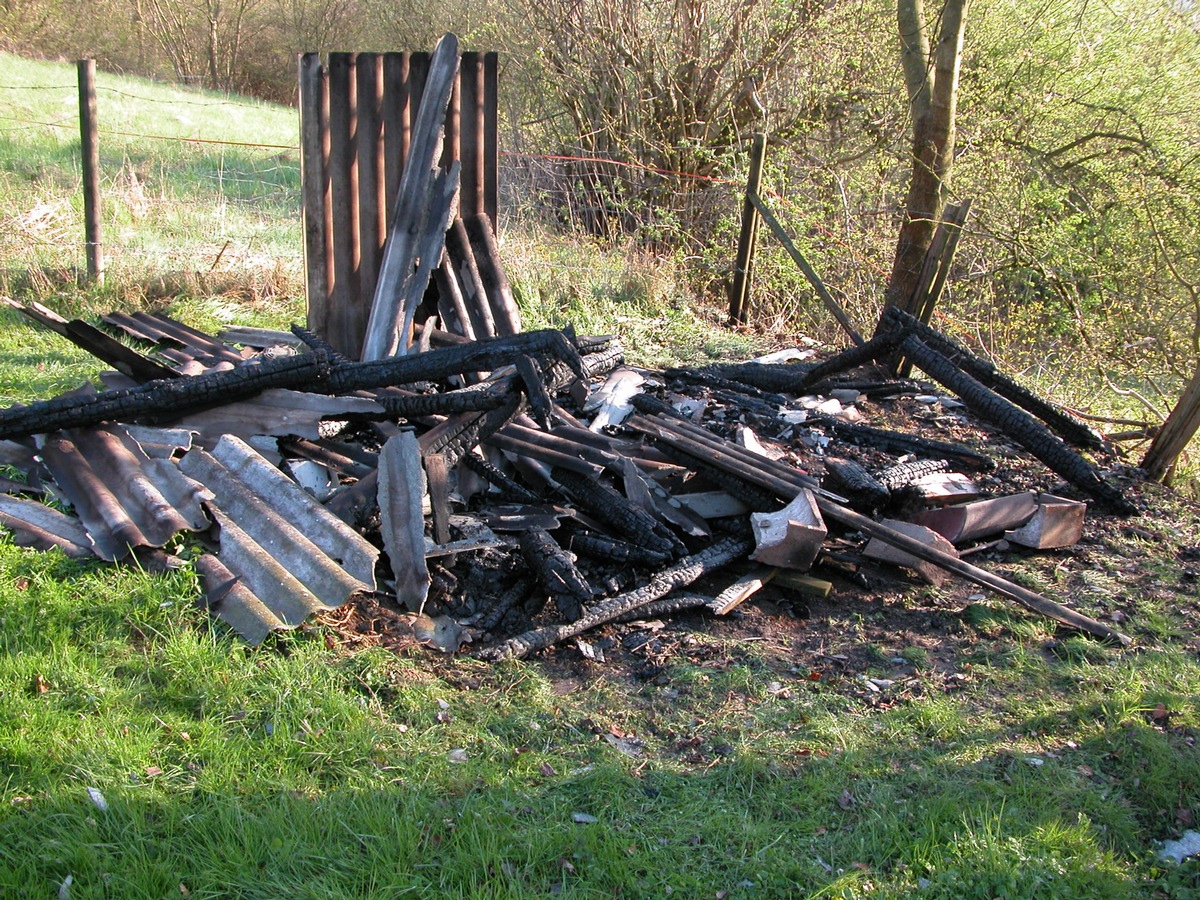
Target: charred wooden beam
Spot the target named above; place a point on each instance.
(1018, 425)
(898, 443)
(1060, 421)
(505, 602)
(528, 446)
(534, 383)
(903, 474)
(444, 403)
(778, 477)
(683, 573)
(556, 571)
(169, 399)
(460, 434)
(614, 510)
(508, 486)
(345, 459)
(835, 510)
(860, 486)
(607, 549)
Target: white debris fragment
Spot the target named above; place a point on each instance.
(98, 799)
(1187, 845)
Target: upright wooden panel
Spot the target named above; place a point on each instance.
(372, 211)
(356, 120)
(491, 138)
(471, 132)
(314, 134)
(349, 306)
(397, 126)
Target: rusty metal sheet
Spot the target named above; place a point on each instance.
(124, 498)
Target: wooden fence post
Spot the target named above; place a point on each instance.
(89, 141)
(743, 267)
(1177, 432)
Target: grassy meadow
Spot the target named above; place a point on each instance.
(888, 743)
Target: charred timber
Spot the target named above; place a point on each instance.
(721, 553)
(1019, 425)
(556, 571)
(1060, 421)
(606, 549)
(462, 433)
(610, 507)
(861, 488)
(169, 399)
(509, 488)
(899, 443)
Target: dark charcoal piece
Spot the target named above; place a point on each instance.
(556, 571)
(709, 378)
(601, 547)
(614, 510)
(509, 488)
(459, 435)
(903, 474)
(1062, 422)
(170, 399)
(1018, 425)
(856, 483)
(683, 573)
(899, 443)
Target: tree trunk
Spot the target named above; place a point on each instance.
(932, 94)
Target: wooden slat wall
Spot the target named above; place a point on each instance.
(355, 119)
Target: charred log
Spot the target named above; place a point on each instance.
(556, 571)
(683, 573)
(614, 510)
(1018, 425)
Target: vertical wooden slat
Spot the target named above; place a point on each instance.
(314, 178)
(397, 126)
(372, 213)
(474, 292)
(418, 73)
(471, 149)
(491, 137)
(450, 139)
(356, 121)
(350, 313)
(487, 260)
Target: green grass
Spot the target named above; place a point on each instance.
(1007, 760)
(178, 216)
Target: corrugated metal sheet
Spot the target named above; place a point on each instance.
(123, 498)
(282, 556)
(190, 351)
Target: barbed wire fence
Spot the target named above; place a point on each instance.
(199, 212)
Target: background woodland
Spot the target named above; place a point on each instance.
(630, 123)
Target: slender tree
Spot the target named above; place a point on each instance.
(931, 77)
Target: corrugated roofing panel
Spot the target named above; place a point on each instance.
(124, 498)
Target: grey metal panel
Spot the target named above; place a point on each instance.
(334, 537)
(34, 524)
(123, 498)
